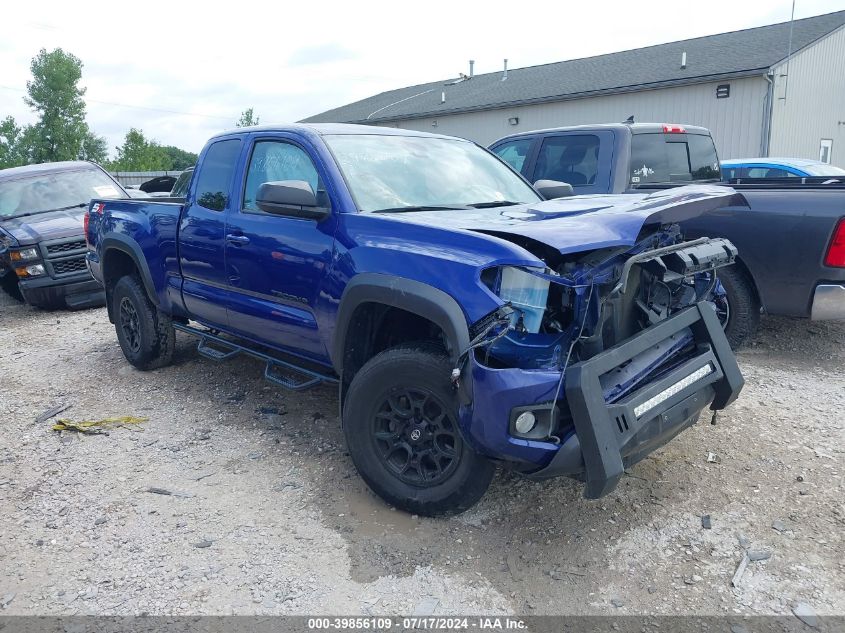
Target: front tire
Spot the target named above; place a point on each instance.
(145, 333)
(741, 314)
(9, 284)
(400, 419)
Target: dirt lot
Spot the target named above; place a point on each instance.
(269, 516)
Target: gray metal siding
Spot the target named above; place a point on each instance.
(814, 107)
(736, 122)
(134, 178)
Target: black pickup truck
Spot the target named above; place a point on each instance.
(790, 235)
(42, 240)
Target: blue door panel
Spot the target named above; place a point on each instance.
(202, 232)
(276, 264)
(201, 253)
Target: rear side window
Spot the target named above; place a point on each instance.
(662, 158)
(180, 187)
(769, 172)
(515, 152)
(572, 158)
(215, 174)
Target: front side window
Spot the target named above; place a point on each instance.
(515, 152)
(273, 161)
(215, 174)
(397, 173)
(39, 193)
(573, 159)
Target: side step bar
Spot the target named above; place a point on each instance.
(219, 349)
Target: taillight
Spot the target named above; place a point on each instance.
(836, 251)
(85, 220)
(673, 128)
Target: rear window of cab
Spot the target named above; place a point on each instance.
(671, 158)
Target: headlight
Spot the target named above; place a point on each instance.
(24, 254)
(35, 270)
(527, 293)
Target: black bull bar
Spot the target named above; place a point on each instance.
(611, 436)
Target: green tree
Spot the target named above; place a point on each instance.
(179, 158)
(10, 135)
(94, 148)
(248, 118)
(61, 132)
(54, 94)
(139, 154)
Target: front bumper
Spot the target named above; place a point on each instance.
(608, 435)
(828, 303)
(75, 292)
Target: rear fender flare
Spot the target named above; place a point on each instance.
(116, 241)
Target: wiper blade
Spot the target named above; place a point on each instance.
(433, 207)
(494, 203)
(28, 213)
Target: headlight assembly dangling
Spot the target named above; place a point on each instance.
(527, 293)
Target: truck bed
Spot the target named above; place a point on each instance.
(782, 236)
(154, 225)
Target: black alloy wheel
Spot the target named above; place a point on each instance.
(401, 422)
(130, 325)
(416, 438)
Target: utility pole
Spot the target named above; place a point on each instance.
(789, 51)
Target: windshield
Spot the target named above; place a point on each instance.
(395, 173)
(59, 190)
(824, 170)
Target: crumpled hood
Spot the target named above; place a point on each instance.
(51, 225)
(582, 223)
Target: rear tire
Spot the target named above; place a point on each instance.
(145, 333)
(400, 419)
(743, 318)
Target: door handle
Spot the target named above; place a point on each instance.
(237, 240)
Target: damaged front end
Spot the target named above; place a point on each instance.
(598, 359)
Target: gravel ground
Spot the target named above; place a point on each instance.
(268, 516)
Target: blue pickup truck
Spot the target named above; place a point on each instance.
(790, 233)
(467, 322)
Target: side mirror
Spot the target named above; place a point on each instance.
(551, 189)
(293, 198)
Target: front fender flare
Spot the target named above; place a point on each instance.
(414, 296)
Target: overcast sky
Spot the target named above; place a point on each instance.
(182, 71)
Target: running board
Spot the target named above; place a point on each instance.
(219, 349)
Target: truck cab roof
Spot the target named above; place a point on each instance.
(633, 128)
(45, 168)
(320, 129)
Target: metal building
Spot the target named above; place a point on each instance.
(776, 90)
